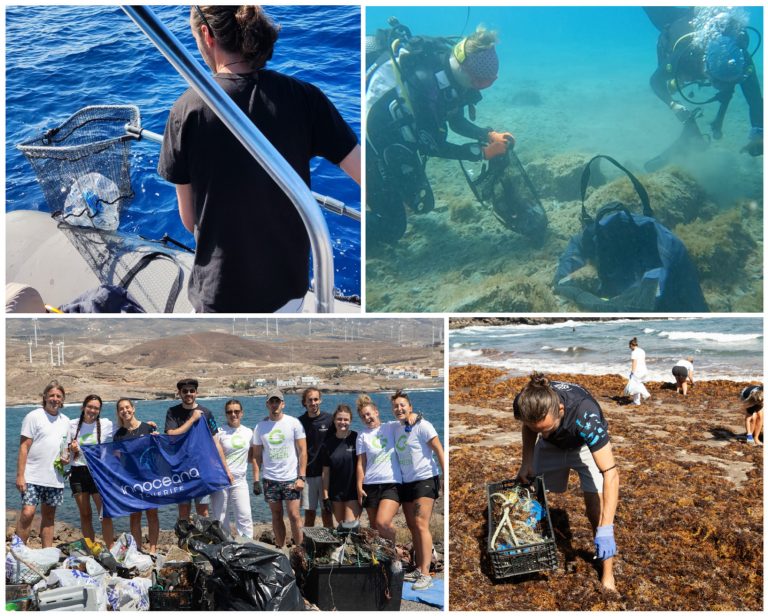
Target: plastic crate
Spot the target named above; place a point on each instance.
(520, 560)
(185, 596)
(19, 597)
(355, 589)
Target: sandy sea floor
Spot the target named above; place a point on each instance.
(459, 258)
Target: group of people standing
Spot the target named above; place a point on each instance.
(310, 462)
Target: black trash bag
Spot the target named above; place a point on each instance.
(641, 265)
(247, 576)
(200, 528)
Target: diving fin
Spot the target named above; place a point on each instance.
(691, 139)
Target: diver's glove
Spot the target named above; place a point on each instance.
(681, 112)
(327, 505)
(494, 149)
(256, 487)
(605, 544)
(755, 145)
(508, 138)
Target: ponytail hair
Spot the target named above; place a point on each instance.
(633, 343)
(538, 399)
(362, 401)
(246, 30)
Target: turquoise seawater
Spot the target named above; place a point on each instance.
(573, 82)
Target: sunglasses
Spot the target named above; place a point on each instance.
(188, 391)
(204, 20)
(232, 412)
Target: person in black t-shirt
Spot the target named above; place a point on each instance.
(131, 427)
(317, 425)
(573, 435)
(339, 458)
(178, 420)
(252, 252)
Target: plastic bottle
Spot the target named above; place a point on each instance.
(92, 202)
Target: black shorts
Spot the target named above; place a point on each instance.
(751, 410)
(680, 372)
(81, 481)
(377, 492)
(423, 488)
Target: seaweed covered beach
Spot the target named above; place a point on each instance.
(689, 526)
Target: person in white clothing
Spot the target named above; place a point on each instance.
(235, 440)
(637, 373)
(88, 429)
(39, 469)
(416, 441)
(378, 471)
(279, 452)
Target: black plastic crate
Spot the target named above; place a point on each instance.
(519, 560)
(172, 600)
(354, 589)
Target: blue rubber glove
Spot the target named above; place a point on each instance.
(755, 145)
(605, 544)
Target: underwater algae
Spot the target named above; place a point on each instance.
(460, 258)
(689, 526)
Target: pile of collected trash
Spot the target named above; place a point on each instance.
(206, 572)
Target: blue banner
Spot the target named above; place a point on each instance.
(155, 470)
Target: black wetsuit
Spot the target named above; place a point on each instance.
(680, 63)
(397, 146)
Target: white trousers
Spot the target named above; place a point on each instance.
(237, 500)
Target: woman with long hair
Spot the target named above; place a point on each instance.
(378, 471)
(637, 373)
(417, 447)
(339, 457)
(131, 427)
(89, 429)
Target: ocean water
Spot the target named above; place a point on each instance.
(62, 58)
(573, 82)
(722, 348)
(428, 402)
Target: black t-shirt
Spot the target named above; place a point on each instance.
(252, 250)
(177, 416)
(583, 422)
(340, 456)
(316, 429)
(124, 433)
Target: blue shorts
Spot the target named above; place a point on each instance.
(34, 495)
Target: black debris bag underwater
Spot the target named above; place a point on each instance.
(641, 265)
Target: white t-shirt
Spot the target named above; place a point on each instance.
(413, 452)
(641, 371)
(236, 442)
(48, 434)
(278, 440)
(378, 445)
(88, 436)
(685, 364)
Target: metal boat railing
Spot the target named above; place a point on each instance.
(326, 202)
(253, 141)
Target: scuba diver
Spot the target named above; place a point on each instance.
(417, 87)
(706, 46)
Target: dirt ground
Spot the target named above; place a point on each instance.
(689, 526)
